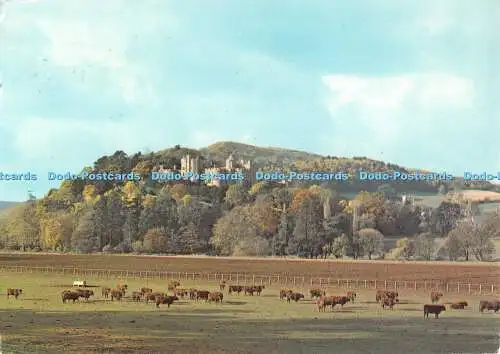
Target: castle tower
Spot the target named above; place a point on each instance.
(230, 163)
(190, 164)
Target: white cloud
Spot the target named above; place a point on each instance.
(387, 107)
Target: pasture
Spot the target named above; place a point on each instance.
(38, 322)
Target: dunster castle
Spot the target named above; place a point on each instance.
(193, 165)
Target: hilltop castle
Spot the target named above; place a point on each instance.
(191, 164)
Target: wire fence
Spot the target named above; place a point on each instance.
(302, 281)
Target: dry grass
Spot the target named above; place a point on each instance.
(39, 322)
(481, 196)
(366, 270)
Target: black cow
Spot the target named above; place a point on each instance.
(435, 309)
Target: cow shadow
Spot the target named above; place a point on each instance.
(35, 299)
(235, 302)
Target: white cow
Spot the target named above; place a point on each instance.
(80, 283)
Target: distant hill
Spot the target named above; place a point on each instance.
(5, 205)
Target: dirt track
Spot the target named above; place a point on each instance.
(488, 273)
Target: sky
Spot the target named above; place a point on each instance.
(410, 82)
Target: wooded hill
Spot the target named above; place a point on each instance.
(265, 218)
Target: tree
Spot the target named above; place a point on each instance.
(407, 247)
(372, 241)
(56, 231)
(453, 247)
(85, 237)
(308, 227)
(339, 246)
(155, 240)
(231, 229)
(285, 233)
(116, 217)
(237, 194)
(425, 246)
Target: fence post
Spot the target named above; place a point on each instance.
(447, 287)
(294, 282)
(253, 279)
(395, 285)
(385, 284)
(480, 289)
(365, 284)
(492, 289)
(469, 287)
(338, 283)
(458, 287)
(311, 281)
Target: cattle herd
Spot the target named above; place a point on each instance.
(323, 301)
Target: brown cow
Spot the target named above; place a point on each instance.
(459, 305)
(324, 301)
(351, 295)
(69, 295)
(122, 288)
(235, 289)
(216, 296)
(489, 305)
(146, 291)
(436, 296)
(181, 292)
(284, 293)
(381, 294)
(14, 292)
(388, 302)
(173, 284)
(249, 290)
(222, 285)
(137, 295)
(316, 293)
(340, 300)
(258, 288)
(152, 296)
(202, 295)
(105, 291)
(435, 309)
(116, 294)
(192, 294)
(86, 294)
(165, 300)
(294, 296)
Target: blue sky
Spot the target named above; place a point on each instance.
(410, 82)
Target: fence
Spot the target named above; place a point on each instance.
(302, 281)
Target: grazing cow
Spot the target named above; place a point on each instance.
(249, 290)
(202, 295)
(165, 300)
(381, 294)
(351, 295)
(340, 300)
(489, 305)
(152, 296)
(146, 291)
(235, 289)
(117, 294)
(222, 285)
(258, 289)
(105, 291)
(459, 305)
(316, 293)
(80, 283)
(86, 294)
(284, 293)
(324, 301)
(192, 294)
(436, 296)
(181, 292)
(137, 295)
(216, 296)
(435, 309)
(14, 292)
(173, 284)
(122, 288)
(388, 302)
(69, 295)
(294, 296)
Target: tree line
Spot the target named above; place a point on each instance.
(240, 219)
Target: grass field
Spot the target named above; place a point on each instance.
(485, 273)
(38, 322)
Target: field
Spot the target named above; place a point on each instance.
(38, 322)
(485, 273)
